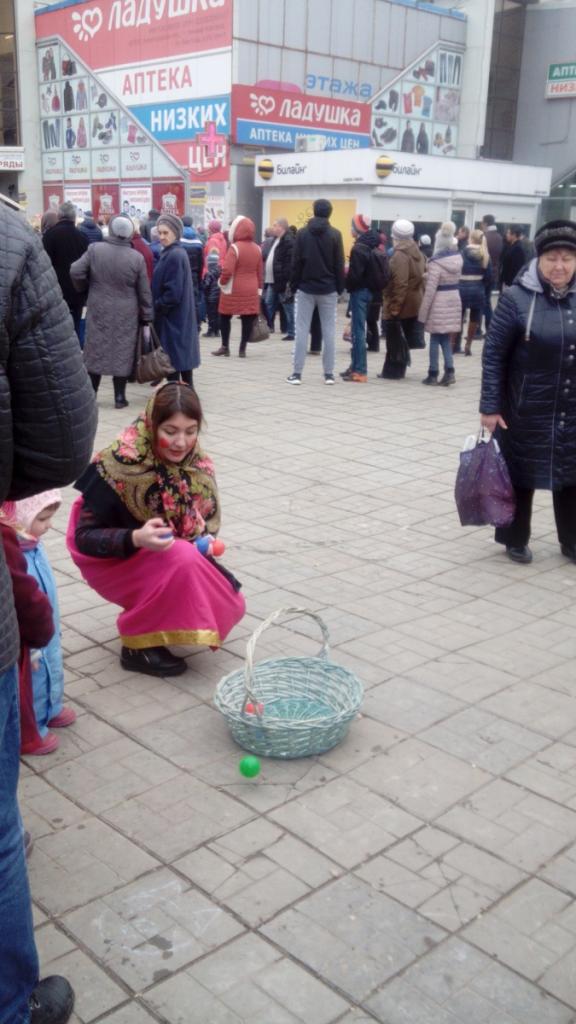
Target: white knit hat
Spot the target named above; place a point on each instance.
(121, 226)
(402, 229)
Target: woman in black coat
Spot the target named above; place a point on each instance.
(529, 387)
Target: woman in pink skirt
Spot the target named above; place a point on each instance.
(145, 499)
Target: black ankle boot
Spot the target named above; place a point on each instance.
(120, 401)
(448, 378)
(152, 661)
(432, 377)
(52, 1001)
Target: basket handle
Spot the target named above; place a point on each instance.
(270, 621)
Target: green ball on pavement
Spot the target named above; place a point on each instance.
(249, 766)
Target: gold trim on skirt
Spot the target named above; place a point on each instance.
(187, 637)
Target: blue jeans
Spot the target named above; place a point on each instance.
(359, 302)
(270, 304)
(288, 308)
(442, 341)
(18, 957)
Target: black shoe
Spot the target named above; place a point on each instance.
(294, 378)
(152, 661)
(120, 403)
(222, 351)
(208, 334)
(568, 552)
(287, 337)
(432, 378)
(522, 555)
(242, 353)
(448, 379)
(347, 372)
(52, 1001)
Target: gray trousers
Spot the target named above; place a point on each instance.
(304, 310)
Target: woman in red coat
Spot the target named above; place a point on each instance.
(240, 283)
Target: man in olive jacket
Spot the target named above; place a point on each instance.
(47, 426)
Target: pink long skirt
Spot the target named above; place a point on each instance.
(174, 596)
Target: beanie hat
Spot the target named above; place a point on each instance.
(425, 240)
(556, 234)
(173, 222)
(359, 224)
(187, 221)
(121, 226)
(322, 208)
(402, 229)
(214, 226)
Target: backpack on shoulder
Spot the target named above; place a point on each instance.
(378, 271)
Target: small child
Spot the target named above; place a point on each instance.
(36, 628)
(32, 518)
(212, 294)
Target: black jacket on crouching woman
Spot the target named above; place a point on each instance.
(529, 377)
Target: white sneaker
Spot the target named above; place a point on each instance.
(294, 378)
(329, 378)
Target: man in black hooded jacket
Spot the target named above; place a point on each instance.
(317, 281)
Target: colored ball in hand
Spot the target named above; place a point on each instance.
(203, 545)
(249, 766)
(218, 547)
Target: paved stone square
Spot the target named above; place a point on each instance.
(422, 872)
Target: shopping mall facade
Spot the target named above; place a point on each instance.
(127, 104)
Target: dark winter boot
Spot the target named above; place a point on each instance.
(432, 377)
(448, 378)
(120, 392)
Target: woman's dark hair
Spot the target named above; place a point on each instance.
(174, 398)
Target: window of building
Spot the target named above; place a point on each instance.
(9, 105)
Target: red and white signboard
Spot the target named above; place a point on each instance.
(254, 104)
(116, 33)
(204, 162)
(136, 200)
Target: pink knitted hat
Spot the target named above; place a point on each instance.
(25, 511)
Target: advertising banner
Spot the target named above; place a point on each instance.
(136, 200)
(53, 166)
(268, 117)
(168, 197)
(136, 163)
(561, 81)
(373, 167)
(80, 195)
(77, 167)
(106, 164)
(126, 73)
(53, 195)
(116, 33)
(105, 200)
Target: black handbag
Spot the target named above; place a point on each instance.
(152, 362)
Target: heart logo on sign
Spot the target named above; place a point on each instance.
(86, 25)
(104, 158)
(134, 156)
(262, 105)
(76, 160)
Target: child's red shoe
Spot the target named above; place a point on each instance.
(66, 717)
(47, 745)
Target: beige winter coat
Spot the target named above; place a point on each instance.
(441, 309)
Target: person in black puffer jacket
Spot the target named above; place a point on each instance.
(282, 271)
(360, 284)
(65, 244)
(529, 386)
(317, 281)
(47, 427)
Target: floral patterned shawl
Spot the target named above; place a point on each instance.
(185, 495)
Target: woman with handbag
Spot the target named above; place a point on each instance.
(119, 301)
(145, 499)
(174, 303)
(529, 387)
(240, 284)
